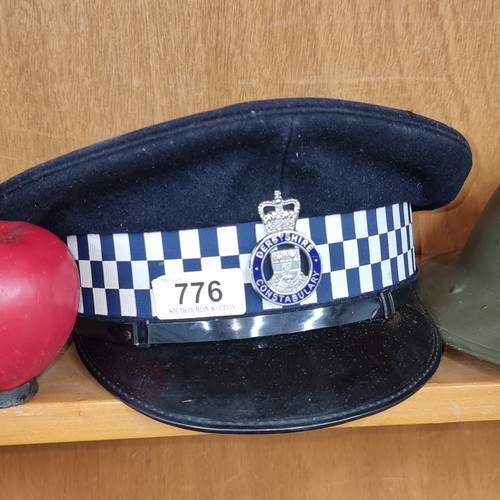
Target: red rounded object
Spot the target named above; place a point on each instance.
(39, 295)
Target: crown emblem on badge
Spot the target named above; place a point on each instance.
(276, 217)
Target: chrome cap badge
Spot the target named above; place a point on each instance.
(285, 266)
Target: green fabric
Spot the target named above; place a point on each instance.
(461, 290)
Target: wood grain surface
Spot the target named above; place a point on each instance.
(76, 72)
(452, 461)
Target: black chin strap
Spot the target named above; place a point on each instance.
(146, 333)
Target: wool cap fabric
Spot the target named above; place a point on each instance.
(252, 268)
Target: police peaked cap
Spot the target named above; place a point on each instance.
(286, 226)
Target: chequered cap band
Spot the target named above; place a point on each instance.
(361, 252)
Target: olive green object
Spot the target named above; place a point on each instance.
(461, 290)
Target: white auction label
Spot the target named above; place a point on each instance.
(200, 294)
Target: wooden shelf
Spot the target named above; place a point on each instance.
(72, 406)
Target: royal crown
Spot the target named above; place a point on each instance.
(276, 217)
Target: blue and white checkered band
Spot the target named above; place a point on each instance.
(359, 253)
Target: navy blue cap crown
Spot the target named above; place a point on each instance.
(214, 168)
